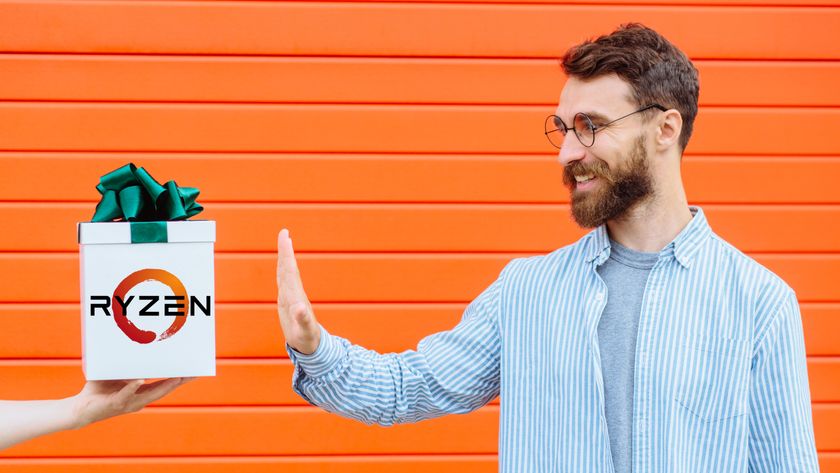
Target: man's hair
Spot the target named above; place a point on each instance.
(656, 70)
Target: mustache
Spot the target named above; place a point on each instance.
(596, 168)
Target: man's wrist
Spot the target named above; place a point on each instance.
(309, 348)
(328, 353)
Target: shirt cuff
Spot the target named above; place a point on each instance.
(326, 357)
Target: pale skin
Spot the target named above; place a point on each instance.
(646, 227)
(652, 224)
(98, 400)
(302, 331)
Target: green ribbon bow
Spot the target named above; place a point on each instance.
(131, 194)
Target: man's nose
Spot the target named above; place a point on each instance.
(572, 150)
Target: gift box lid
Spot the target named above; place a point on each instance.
(178, 231)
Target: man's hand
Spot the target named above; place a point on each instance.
(100, 400)
(302, 331)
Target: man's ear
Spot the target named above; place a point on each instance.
(668, 131)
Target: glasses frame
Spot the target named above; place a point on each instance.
(595, 129)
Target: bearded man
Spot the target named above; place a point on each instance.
(649, 345)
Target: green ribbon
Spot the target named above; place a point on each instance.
(149, 232)
(131, 194)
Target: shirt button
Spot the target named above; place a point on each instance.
(599, 296)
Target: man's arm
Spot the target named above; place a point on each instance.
(781, 428)
(98, 400)
(450, 372)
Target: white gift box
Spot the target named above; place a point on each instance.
(148, 308)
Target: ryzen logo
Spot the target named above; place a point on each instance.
(175, 305)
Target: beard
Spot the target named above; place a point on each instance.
(618, 191)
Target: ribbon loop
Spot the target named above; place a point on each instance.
(131, 194)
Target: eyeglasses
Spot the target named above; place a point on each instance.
(583, 127)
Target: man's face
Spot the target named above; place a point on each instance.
(610, 177)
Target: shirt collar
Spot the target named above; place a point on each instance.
(684, 247)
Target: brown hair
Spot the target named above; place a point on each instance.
(656, 70)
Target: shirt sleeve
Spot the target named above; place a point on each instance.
(456, 371)
(781, 427)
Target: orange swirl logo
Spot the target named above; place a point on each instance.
(119, 304)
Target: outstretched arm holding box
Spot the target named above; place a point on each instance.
(450, 372)
(98, 400)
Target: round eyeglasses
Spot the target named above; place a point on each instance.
(556, 129)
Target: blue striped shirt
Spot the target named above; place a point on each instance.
(720, 380)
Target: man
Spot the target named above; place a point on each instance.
(649, 345)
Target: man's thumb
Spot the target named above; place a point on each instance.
(301, 315)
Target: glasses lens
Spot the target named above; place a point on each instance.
(584, 130)
(554, 130)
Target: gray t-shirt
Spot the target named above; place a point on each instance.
(625, 273)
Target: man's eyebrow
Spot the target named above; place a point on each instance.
(593, 115)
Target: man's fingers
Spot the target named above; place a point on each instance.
(296, 317)
(289, 284)
(285, 253)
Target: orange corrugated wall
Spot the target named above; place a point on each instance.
(401, 142)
